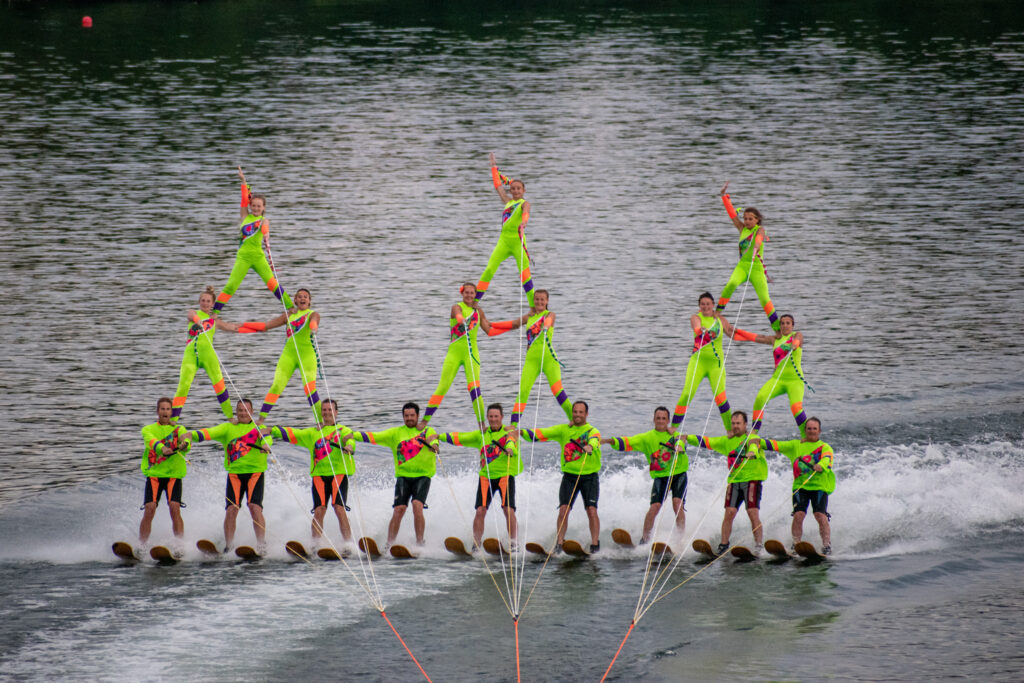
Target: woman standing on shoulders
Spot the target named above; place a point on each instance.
(788, 378)
(751, 265)
(512, 241)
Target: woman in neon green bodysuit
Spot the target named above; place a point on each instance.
(298, 353)
(540, 355)
(253, 242)
(466, 319)
(788, 377)
(512, 241)
(707, 360)
(751, 265)
(199, 353)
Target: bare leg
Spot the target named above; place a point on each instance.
(823, 528)
(146, 525)
(230, 515)
(755, 525)
(317, 525)
(513, 524)
(419, 522)
(563, 517)
(343, 525)
(730, 514)
(478, 525)
(259, 525)
(798, 526)
(652, 514)
(395, 523)
(177, 523)
(595, 525)
(677, 505)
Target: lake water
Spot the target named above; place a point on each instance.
(882, 143)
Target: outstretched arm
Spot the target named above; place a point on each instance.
(500, 180)
(243, 211)
(729, 209)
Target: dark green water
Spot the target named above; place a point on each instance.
(882, 141)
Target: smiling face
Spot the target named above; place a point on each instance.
(579, 414)
(243, 412)
(749, 219)
(257, 205)
(661, 420)
(516, 189)
(707, 306)
(302, 299)
(739, 425)
(494, 418)
(468, 294)
(329, 412)
(410, 417)
(206, 302)
(786, 324)
(164, 410)
(813, 428)
(540, 301)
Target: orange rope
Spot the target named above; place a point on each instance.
(606, 672)
(518, 674)
(407, 647)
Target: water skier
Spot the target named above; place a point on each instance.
(512, 241)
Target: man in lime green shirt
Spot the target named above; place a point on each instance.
(415, 456)
(499, 465)
(330, 465)
(748, 470)
(163, 463)
(813, 480)
(667, 462)
(581, 463)
(245, 460)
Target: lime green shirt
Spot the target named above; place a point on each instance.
(241, 442)
(660, 449)
(805, 455)
(203, 331)
(572, 439)
(788, 370)
(746, 460)
(499, 454)
(154, 462)
(708, 342)
(326, 448)
(412, 457)
(251, 232)
(747, 236)
(298, 327)
(512, 218)
(470, 326)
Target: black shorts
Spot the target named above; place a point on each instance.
(330, 489)
(661, 486)
(748, 492)
(588, 486)
(411, 488)
(818, 501)
(156, 486)
(248, 486)
(506, 486)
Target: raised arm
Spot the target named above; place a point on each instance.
(500, 180)
(729, 209)
(243, 210)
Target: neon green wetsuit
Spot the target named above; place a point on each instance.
(744, 453)
(660, 449)
(499, 455)
(298, 354)
(706, 360)
(750, 267)
(413, 457)
(326, 455)
(154, 462)
(572, 438)
(804, 456)
(540, 357)
(253, 234)
(509, 244)
(242, 454)
(788, 379)
(199, 353)
(462, 352)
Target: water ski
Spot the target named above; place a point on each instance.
(492, 546)
(369, 546)
(400, 552)
(247, 552)
(207, 547)
(807, 551)
(777, 549)
(536, 549)
(658, 548)
(124, 551)
(622, 537)
(330, 554)
(296, 549)
(575, 549)
(163, 555)
(456, 547)
(704, 548)
(743, 554)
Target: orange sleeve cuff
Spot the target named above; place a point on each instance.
(728, 206)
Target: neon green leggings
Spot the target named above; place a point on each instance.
(531, 371)
(254, 259)
(699, 367)
(760, 282)
(793, 387)
(286, 367)
(457, 356)
(190, 363)
(506, 247)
